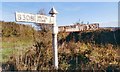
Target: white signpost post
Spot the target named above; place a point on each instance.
(25, 17)
(53, 13)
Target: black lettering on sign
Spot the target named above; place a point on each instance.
(42, 18)
(39, 18)
(89, 27)
(23, 17)
(94, 26)
(32, 18)
(97, 26)
(85, 27)
(27, 17)
(19, 17)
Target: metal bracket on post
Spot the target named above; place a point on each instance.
(53, 13)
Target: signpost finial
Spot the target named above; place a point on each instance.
(53, 11)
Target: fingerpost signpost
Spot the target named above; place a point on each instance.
(27, 17)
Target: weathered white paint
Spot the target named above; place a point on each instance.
(53, 13)
(78, 27)
(35, 18)
(72, 29)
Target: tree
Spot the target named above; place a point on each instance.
(42, 12)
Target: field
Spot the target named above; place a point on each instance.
(25, 48)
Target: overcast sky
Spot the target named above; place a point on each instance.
(105, 13)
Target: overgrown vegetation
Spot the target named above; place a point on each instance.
(15, 37)
(32, 50)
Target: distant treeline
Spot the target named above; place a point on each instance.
(101, 36)
(11, 29)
